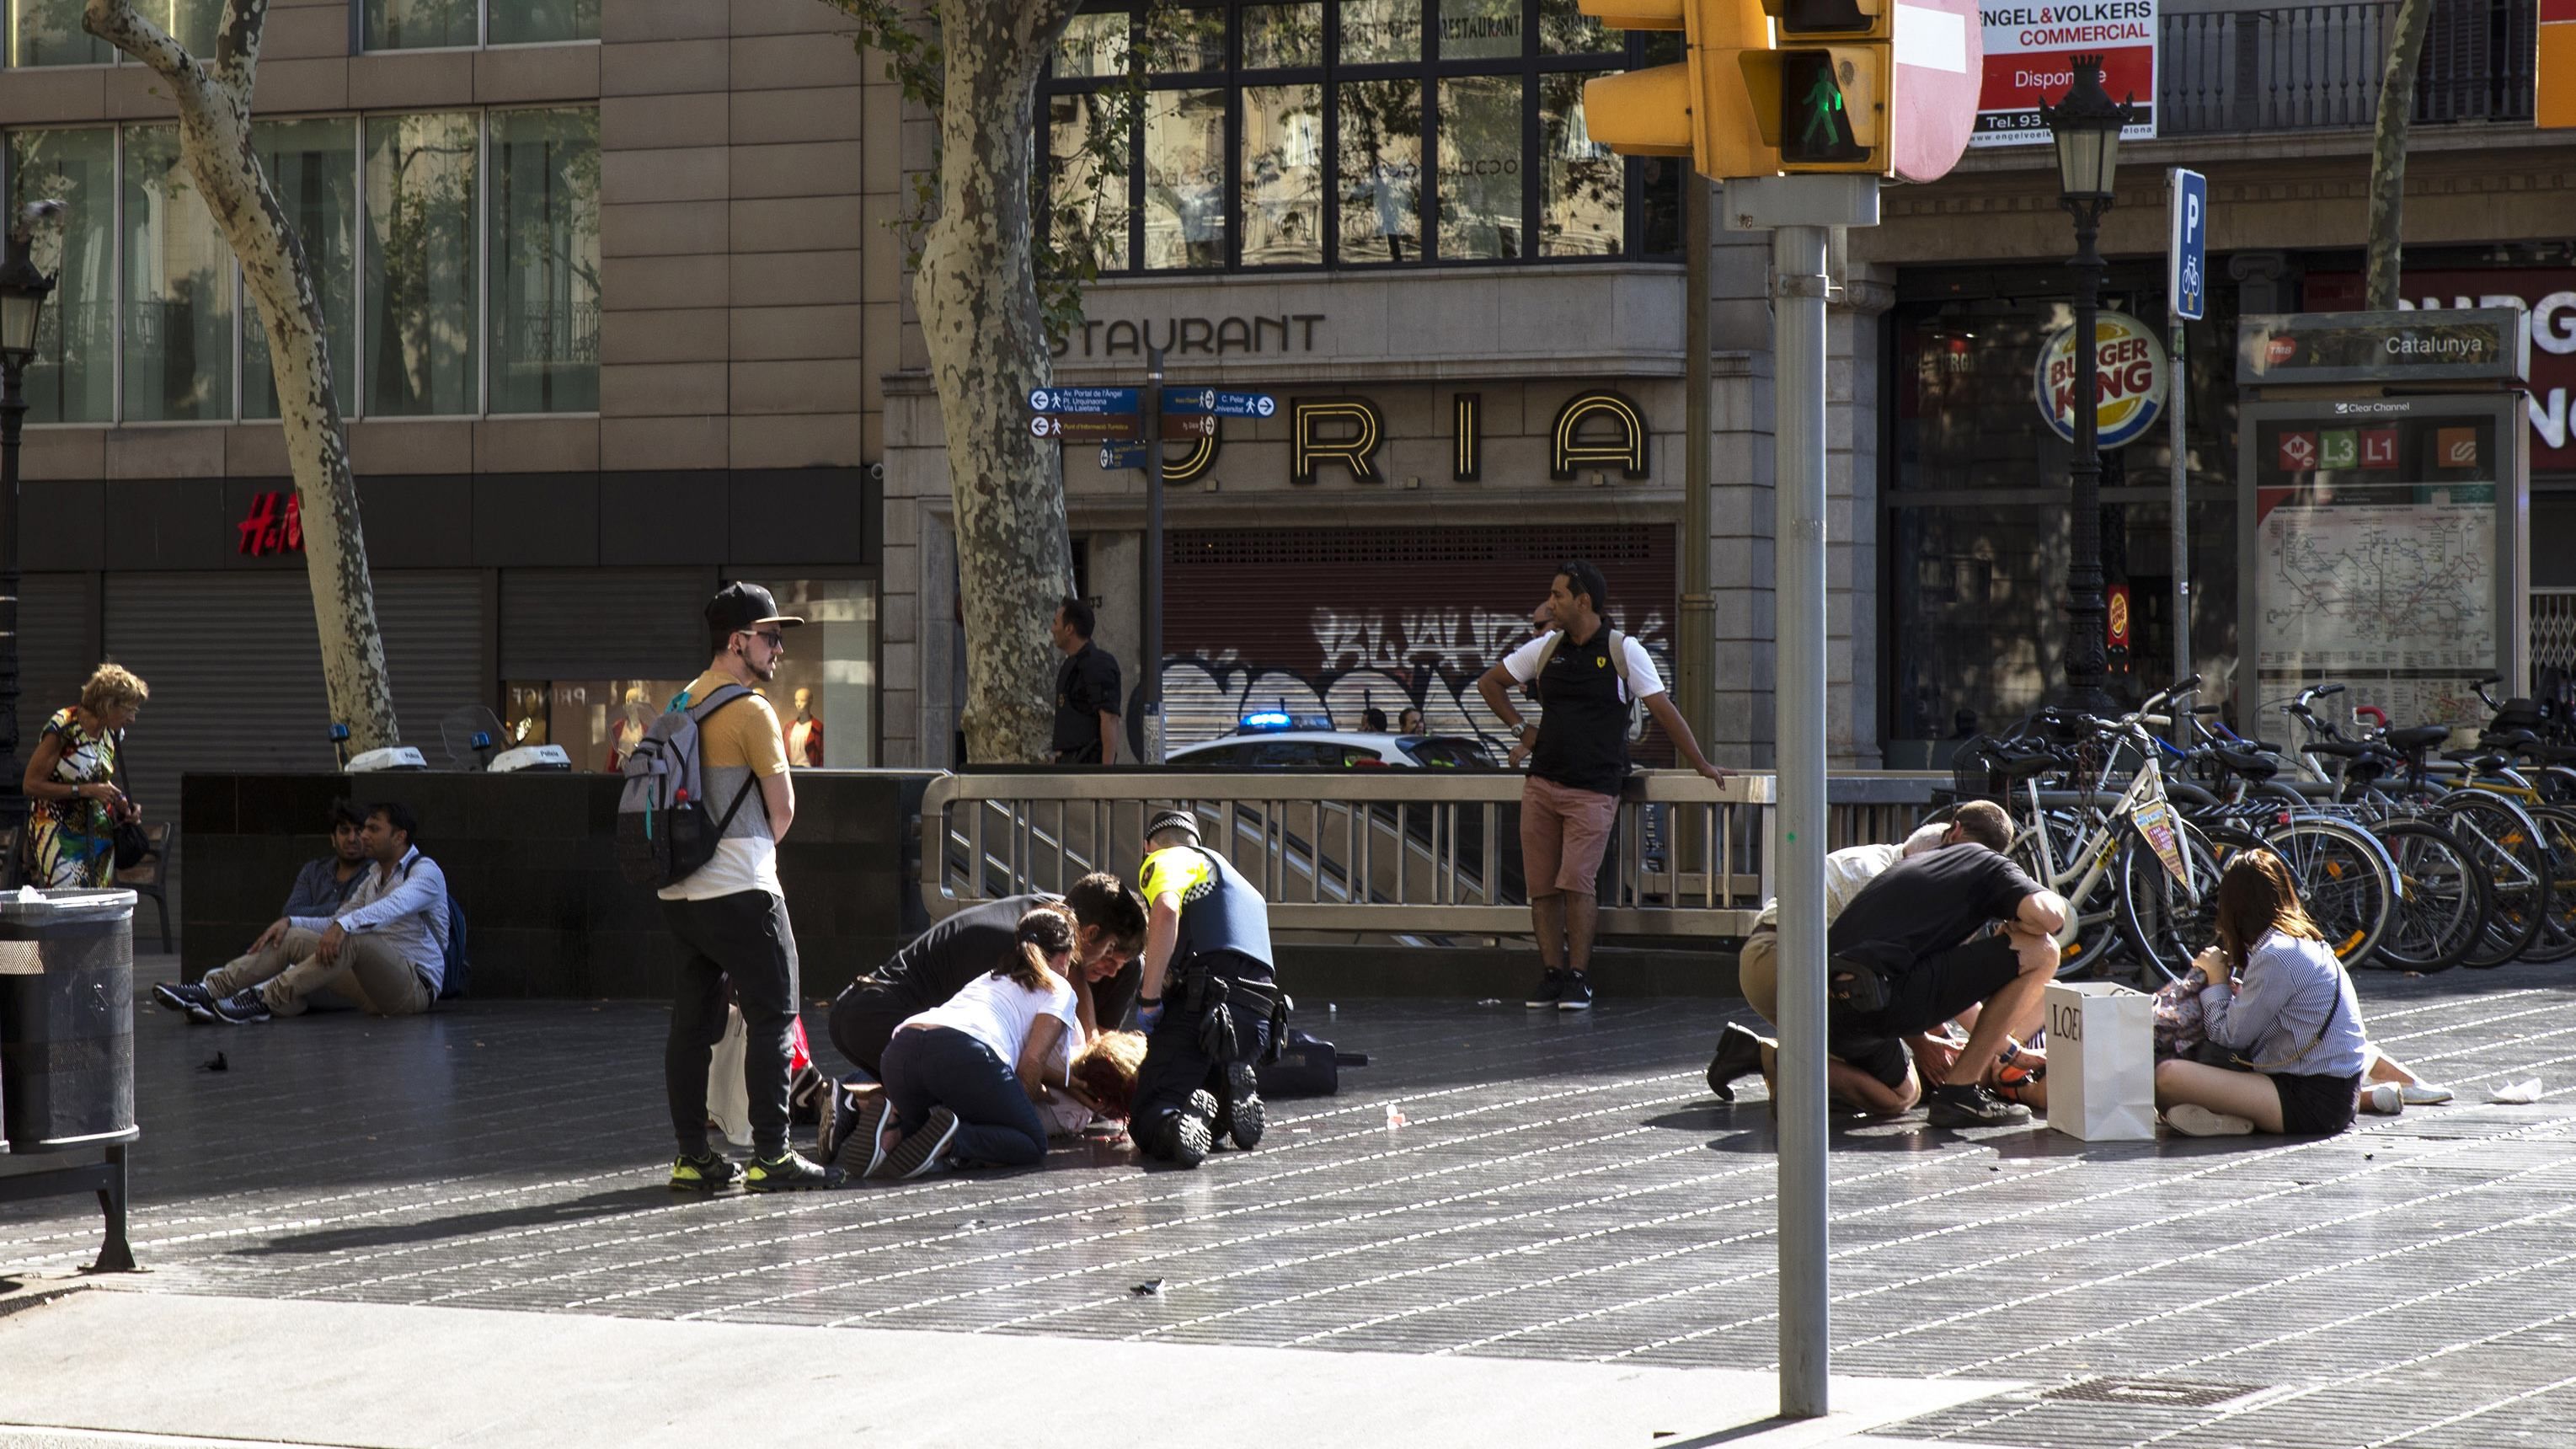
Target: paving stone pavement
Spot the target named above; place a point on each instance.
(1562, 1187)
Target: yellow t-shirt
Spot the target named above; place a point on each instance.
(738, 743)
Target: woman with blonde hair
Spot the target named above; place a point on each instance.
(2277, 1011)
(75, 804)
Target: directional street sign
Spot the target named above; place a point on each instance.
(1189, 425)
(1086, 427)
(1114, 456)
(1221, 404)
(2187, 277)
(1083, 400)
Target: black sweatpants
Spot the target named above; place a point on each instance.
(1175, 1064)
(746, 937)
(939, 1066)
(863, 1020)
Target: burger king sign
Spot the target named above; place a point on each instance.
(2130, 365)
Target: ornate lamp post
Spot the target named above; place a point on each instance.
(2086, 128)
(23, 290)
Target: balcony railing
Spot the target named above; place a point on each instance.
(2317, 67)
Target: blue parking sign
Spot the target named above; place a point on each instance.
(2187, 275)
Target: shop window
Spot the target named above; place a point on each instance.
(828, 682)
(178, 315)
(1260, 109)
(420, 266)
(545, 261)
(73, 378)
(313, 167)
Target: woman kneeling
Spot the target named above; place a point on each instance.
(2287, 1020)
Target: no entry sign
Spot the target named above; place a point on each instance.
(1938, 70)
(2029, 58)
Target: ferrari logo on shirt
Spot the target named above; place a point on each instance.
(1601, 663)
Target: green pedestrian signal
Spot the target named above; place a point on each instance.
(1815, 123)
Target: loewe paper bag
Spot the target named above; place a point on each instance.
(2101, 1061)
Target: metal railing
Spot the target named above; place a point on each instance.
(2317, 67)
(1394, 851)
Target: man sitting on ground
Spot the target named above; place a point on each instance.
(383, 950)
(1889, 1084)
(320, 890)
(1911, 951)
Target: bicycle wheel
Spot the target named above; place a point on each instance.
(2097, 941)
(2557, 938)
(2442, 900)
(2167, 920)
(2346, 881)
(2506, 843)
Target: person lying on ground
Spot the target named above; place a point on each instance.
(383, 951)
(965, 1080)
(1884, 1081)
(2279, 1008)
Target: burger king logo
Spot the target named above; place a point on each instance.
(2131, 376)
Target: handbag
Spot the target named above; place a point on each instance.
(130, 842)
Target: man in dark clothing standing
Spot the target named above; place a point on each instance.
(1912, 950)
(1086, 691)
(1209, 1006)
(1577, 764)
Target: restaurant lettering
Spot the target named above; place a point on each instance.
(1179, 336)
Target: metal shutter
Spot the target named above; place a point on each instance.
(604, 623)
(235, 668)
(433, 626)
(55, 649)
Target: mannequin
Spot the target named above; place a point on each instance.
(630, 729)
(804, 733)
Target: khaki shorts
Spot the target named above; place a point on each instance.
(1564, 833)
(1757, 974)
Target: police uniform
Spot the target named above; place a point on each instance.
(1221, 1007)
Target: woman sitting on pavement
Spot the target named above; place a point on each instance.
(964, 1081)
(2289, 1017)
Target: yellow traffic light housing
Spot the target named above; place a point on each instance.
(1697, 107)
(1821, 96)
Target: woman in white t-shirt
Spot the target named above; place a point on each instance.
(965, 1079)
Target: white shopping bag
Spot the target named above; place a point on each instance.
(728, 1103)
(2101, 1061)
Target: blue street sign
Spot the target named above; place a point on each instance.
(1223, 404)
(1114, 456)
(2187, 277)
(1083, 400)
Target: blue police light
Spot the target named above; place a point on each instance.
(339, 734)
(482, 739)
(1267, 720)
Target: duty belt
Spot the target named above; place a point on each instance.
(1217, 1000)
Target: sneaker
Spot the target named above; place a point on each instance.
(1576, 994)
(1550, 990)
(708, 1172)
(2193, 1120)
(1972, 1107)
(188, 998)
(918, 1154)
(1239, 1113)
(1739, 1054)
(789, 1171)
(241, 1008)
(859, 1144)
(2385, 1099)
(2422, 1094)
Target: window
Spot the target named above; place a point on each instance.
(828, 681)
(1295, 133)
(450, 24)
(426, 233)
(48, 32)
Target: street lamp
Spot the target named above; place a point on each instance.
(2086, 128)
(23, 290)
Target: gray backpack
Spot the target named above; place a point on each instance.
(665, 830)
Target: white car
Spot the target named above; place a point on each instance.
(1273, 749)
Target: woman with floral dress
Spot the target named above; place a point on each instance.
(75, 805)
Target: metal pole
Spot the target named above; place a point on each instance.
(1696, 669)
(13, 417)
(1152, 662)
(1798, 810)
(2085, 608)
(2177, 404)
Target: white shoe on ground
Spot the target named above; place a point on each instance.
(2193, 1120)
(2386, 1099)
(2423, 1094)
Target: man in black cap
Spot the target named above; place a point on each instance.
(731, 914)
(1207, 1002)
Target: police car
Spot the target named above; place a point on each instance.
(1279, 741)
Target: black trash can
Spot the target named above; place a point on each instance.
(66, 1019)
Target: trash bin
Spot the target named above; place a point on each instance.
(66, 1019)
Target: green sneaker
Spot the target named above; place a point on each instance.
(787, 1172)
(713, 1172)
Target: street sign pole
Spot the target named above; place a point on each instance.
(1800, 212)
(2187, 293)
(1151, 655)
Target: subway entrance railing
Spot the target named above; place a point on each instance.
(1392, 851)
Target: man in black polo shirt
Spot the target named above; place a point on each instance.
(1086, 691)
(1912, 950)
(1578, 763)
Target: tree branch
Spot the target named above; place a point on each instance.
(237, 49)
(119, 24)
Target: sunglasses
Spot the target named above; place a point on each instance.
(771, 637)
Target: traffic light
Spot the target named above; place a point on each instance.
(1821, 93)
(1697, 107)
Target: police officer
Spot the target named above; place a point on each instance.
(1208, 1003)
